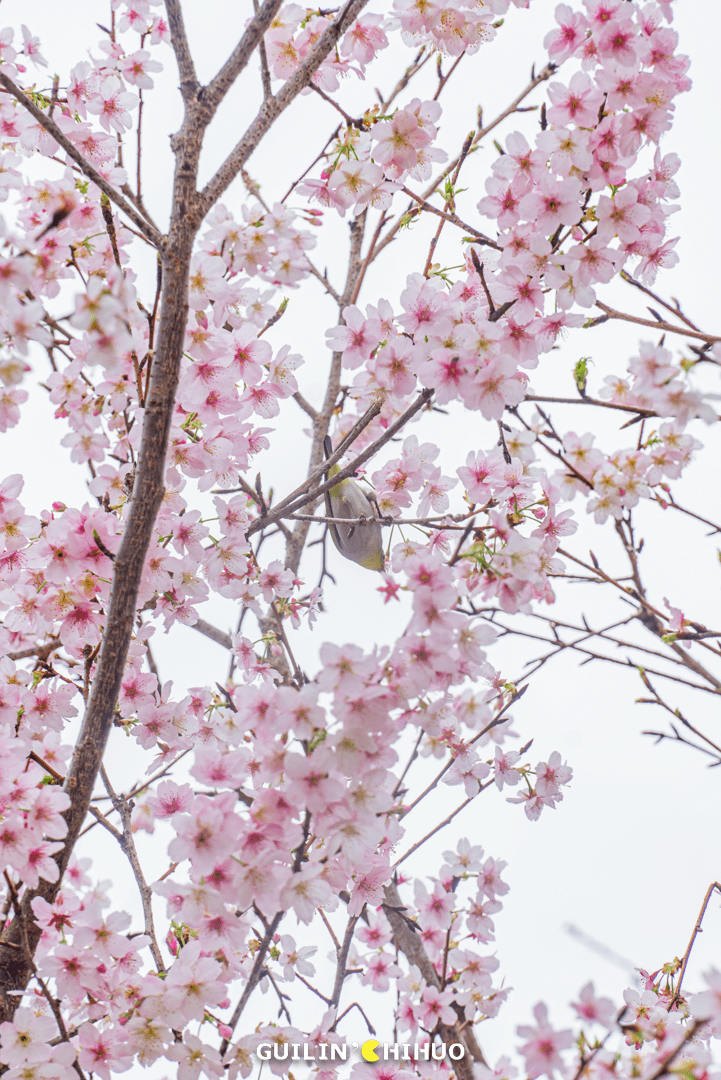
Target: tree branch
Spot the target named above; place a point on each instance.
(411, 945)
(189, 85)
(123, 807)
(270, 110)
(452, 218)
(216, 90)
(297, 500)
(147, 498)
(658, 324)
(149, 231)
(342, 963)
(636, 409)
(218, 636)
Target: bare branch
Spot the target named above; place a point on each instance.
(216, 90)
(625, 276)
(342, 964)
(591, 401)
(658, 324)
(713, 887)
(305, 405)
(536, 80)
(189, 85)
(441, 824)
(428, 523)
(424, 54)
(264, 69)
(255, 974)
(687, 660)
(218, 636)
(124, 807)
(452, 218)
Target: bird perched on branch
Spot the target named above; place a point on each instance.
(362, 544)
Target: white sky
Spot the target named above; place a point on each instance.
(628, 855)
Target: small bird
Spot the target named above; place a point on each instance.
(362, 544)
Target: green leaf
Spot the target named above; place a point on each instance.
(580, 373)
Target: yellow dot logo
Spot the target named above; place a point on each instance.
(368, 1050)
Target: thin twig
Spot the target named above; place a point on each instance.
(124, 807)
(441, 824)
(658, 324)
(452, 218)
(340, 971)
(264, 69)
(696, 931)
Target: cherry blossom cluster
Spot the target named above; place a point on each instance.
(617, 482)
(448, 340)
(238, 856)
(473, 341)
(142, 17)
(455, 917)
(31, 810)
(96, 969)
(451, 28)
(293, 802)
(654, 1029)
(241, 853)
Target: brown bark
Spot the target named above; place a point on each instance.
(188, 210)
(410, 944)
(148, 490)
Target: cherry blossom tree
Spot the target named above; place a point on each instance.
(268, 832)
